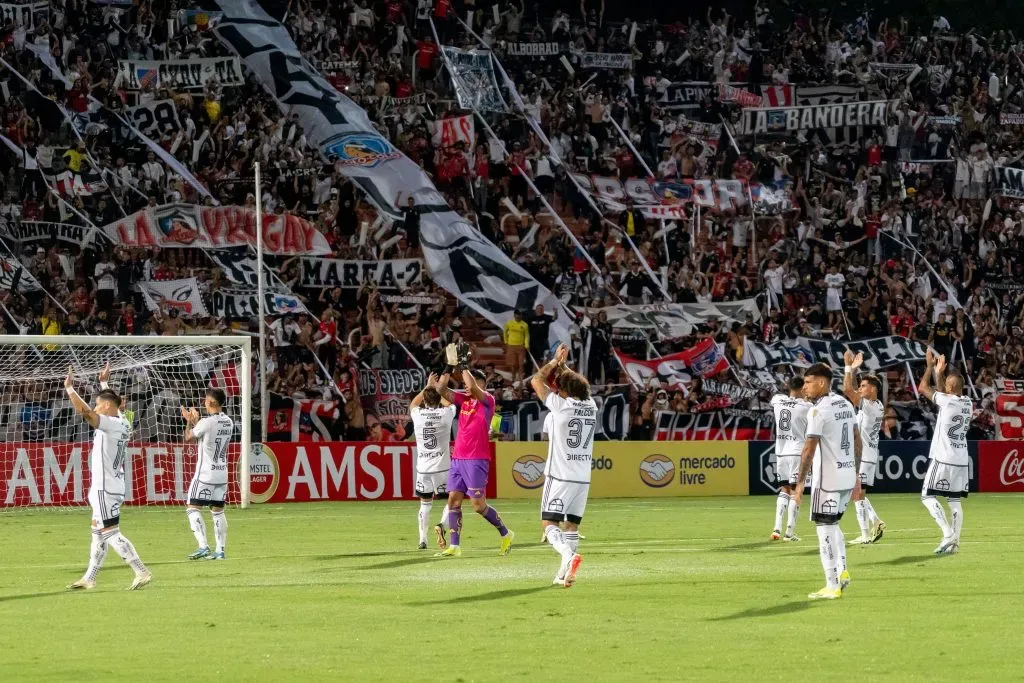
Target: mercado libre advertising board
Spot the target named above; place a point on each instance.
(634, 469)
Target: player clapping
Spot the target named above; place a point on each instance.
(790, 427)
(210, 482)
(432, 424)
(865, 396)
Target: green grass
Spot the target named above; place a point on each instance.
(670, 590)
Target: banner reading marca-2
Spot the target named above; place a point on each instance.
(634, 469)
(283, 472)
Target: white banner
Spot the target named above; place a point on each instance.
(239, 267)
(472, 73)
(155, 119)
(458, 257)
(793, 119)
(179, 74)
(1011, 119)
(1010, 182)
(394, 274)
(677, 320)
(453, 130)
(15, 277)
(27, 15)
(37, 231)
(879, 353)
(239, 303)
(533, 49)
(181, 295)
(606, 60)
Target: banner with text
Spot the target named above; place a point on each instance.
(38, 231)
(677, 320)
(179, 74)
(450, 131)
(675, 371)
(1009, 182)
(606, 60)
(155, 119)
(394, 274)
(820, 116)
(879, 353)
(236, 304)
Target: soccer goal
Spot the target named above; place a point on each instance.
(45, 444)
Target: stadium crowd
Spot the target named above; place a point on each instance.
(905, 213)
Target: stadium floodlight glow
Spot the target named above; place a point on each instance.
(44, 444)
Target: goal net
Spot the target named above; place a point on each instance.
(45, 444)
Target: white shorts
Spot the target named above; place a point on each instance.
(827, 507)
(432, 484)
(833, 302)
(203, 493)
(106, 508)
(945, 480)
(563, 501)
(868, 473)
(787, 467)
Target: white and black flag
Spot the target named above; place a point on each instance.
(472, 73)
(239, 267)
(1010, 182)
(814, 117)
(394, 274)
(243, 302)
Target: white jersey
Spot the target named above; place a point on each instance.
(790, 424)
(109, 449)
(571, 439)
(214, 433)
(833, 421)
(869, 421)
(433, 428)
(949, 442)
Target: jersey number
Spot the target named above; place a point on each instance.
(122, 453)
(577, 437)
(785, 420)
(844, 442)
(957, 428)
(220, 447)
(429, 438)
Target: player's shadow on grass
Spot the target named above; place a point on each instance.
(404, 562)
(483, 597)
(753, 545)
(350, 556)
(30, 596)
(907, 559)
(774, 610)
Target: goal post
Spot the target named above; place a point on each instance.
(45, 445)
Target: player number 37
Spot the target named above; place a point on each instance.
(581, 433)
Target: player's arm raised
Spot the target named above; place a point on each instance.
(472, 387)
(539, 381)
(850, 371)
(925, 385)
(418, 398)
(81, 407)
(442, 388)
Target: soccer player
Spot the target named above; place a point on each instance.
(833, 445)
(869, 421)
(471, 460)
(210, 482)
(106, 490)
(432, 424)
(790, 426)
(948, 472)
(568, 467)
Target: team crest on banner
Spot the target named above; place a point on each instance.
(472, 73)
(365, 150)
(178, 225)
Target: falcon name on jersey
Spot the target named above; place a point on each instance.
(571, 444)
(833, 421)
(949, 442)
(869, 421)
(790, 423)
(214, 433)
(433, 429)
(109, 449)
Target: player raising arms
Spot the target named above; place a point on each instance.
(471, 459)
(570, 456)
(106, 488)
(432, 424)
(790, 428)
(948, 471)
(833, 445)
(865, 396)
(210, 482)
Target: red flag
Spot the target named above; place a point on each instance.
(705, 359)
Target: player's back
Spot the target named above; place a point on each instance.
(952, 420)
(215, 433)
(869, 421)
(433, 430)
(833, 420)
(790, 423)
(109, 448)
(571, 444)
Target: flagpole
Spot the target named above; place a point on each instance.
(262, 303)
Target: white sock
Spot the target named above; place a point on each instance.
(573, 539)
(425, 505)
(938, 514)
(220, 529)
(781, 504)
(827, 551)
(840, 548)
(97, 553)
(873, 517)
(198, 526)
(444, 517)
(956, 517)
(123, 547)
(556, 538)
(794, 510)
(863, 519)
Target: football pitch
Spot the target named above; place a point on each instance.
(669, 590)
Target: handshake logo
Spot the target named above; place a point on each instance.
(657, 470)
(528, 471)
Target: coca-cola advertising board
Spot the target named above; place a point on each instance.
(1002, 466)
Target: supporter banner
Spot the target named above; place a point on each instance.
(418, 299)
(634, 469)
(182, 295)
(901, 466)
(216, 227)
(238, 266)
(235, 304)
(155, 119)
(793, 119)
(727, 93)
(458, 257)
(295, 472)
(26, 15)
(1013, 386)
(879, 353)
(1010, 182)
(533, 49)
(293, 420)
(453, 130)
(674, 371)
(734, 392)
(334, 66)
(14, 277)
(1000, 467)
(180, 74)
(71, 184)
(1011, 119)
(708, 426)
(201, 19)
(677, 320)
(652, 196)
(1009, 415)
(605, 60)
(523, 420)
(387, 393)
(394, 274)
(472, 73)
(38, 231)
(830, 95)
(55, 473)
(689, 95)
(944, 120)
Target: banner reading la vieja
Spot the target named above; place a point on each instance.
(216, 227)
